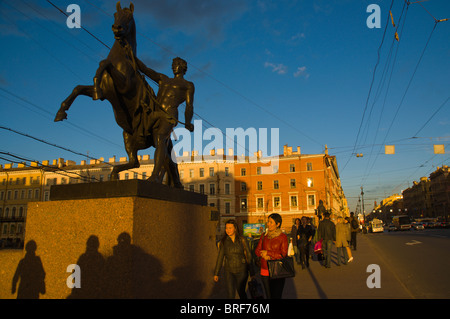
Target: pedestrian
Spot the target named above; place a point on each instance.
(342, 237)
(294, 240)
(354, 229)
(234, 249)
(273, 245)
(349, 251)
(327, 232)
(304, 236)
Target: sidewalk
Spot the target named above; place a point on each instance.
(346, 281)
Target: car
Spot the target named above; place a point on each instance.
(444, 224)
(391, 227)
(418, 226)
(428, 225)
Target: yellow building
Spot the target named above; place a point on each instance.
(18, 186)
(215, 175)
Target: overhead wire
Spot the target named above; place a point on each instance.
(370, 88)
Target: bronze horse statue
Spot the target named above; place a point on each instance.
(119, 81)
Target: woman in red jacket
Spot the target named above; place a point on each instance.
(272, 245)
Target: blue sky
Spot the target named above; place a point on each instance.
(305, 67)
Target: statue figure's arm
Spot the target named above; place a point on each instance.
(189, 112)
(152, 74)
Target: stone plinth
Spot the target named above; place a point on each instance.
(126, 247)
(125, 188)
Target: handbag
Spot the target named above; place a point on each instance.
(291, 249)
(318, 247)
(255, 289)
(281, 268)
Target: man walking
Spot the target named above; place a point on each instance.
(354, 225)
(327, 233)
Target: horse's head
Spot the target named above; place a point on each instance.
(123, 22)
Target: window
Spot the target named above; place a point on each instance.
(227, 207)
(22, 194)
(212, 189)
(13, 213)
(311, 200)
(135, 175)
(36, 194)
(101, 178)
(46, 196)
(16, 194)
(259, 185)
(201, 172)
(1, 195)
(258, 170)
(127, 176)
(192, 188)
(292, 168)
(275, 169)
(211, 171)
(310, 182)
(276, 202)
(191, 173)
(293, 201)
(260, 202)
(202, 188)
(227, 189)
(243, 171)
(144, 175)
(293, 183)
(20, 212)
(30, 194)
(275, 184)
(243, 186)
(227, 171)
(309, 166)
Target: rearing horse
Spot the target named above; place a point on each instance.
(119, 81)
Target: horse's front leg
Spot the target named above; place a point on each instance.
(87, 90)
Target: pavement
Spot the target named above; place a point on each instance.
(352, 281)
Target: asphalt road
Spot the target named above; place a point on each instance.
(411, 265)
(419, 259)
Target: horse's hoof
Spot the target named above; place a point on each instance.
(61, 115)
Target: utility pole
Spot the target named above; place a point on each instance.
(362, 198)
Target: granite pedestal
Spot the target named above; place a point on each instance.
(131, 239)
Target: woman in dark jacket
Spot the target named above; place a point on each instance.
(234, 249)
(271, 246)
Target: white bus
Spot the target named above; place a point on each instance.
(377, 225)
